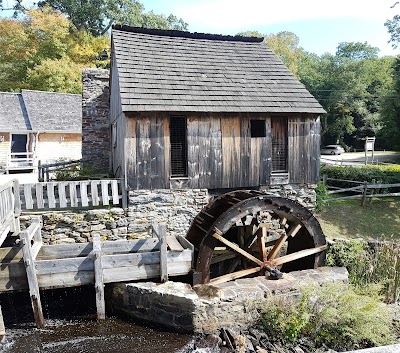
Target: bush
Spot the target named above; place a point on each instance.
(321, 193)
(334, 315)
(386, 174)
(375, 264)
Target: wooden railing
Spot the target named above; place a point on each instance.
(360, 190)
(10, 209)
(72, 194)
(45, 170)
(22, 160)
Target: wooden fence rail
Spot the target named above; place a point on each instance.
(363, 190)
(72, 194)
(44, 170)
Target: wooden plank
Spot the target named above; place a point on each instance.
(50, 195)
(114, 192)
(145, 272)
(73, 196)
(98, 279)
(39, 196)
(66, 279)
(104, 192)
(162, 233)
(237, 249)
(230, 129)
(62, 194)
(234, 275)
(174, 244)
(84, 195)
(28, 196)
(143, 153)
(2, 327)
(32, 280)
(109, 247)
(157, 152)
(94, 192)
(298, 255)
(193, 150)
(17, 197)
(245, 166)
(54, 266)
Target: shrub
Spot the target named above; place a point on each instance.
(321, 193)
(334, 315)
(386, 174)
(376, 264)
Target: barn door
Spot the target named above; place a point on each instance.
(279, 137)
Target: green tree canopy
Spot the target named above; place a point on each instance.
(357, 50)
(97, 16)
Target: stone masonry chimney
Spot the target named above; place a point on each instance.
(95, 119)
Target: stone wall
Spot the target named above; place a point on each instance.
(205, 309)
(95, 119)
(176, 208)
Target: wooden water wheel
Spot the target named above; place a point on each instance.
(243, 233)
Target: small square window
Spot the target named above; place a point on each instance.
(257, 128)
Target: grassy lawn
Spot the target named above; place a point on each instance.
(347, 219)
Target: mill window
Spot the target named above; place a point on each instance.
(279, 136)
(257, 128)
(178, 141)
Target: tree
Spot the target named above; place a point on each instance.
(357, 50)
(40, 51)
(97, 16)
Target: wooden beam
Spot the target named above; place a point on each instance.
(98, 279)
(32, 279)
(161, 231)
(2, 327)
(277, 247)
(298, 255)
(234, 275)
(237, 249)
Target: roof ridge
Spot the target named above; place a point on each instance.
(60, 93)
(185, 34)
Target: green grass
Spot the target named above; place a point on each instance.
(348, 219)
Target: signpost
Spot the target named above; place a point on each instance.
(369, 146)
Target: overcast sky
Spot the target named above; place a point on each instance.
(320, 24)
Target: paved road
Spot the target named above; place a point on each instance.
(358, 158)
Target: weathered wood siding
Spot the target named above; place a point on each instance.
(303, 149)
(221, 152)
(119, 127)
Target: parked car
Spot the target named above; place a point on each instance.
(332, 149)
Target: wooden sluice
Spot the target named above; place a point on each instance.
(33, 266)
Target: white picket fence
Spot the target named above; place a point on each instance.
(10, 209)
(71, 194)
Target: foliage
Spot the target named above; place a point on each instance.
(77, 172)
(391, 112)
(97, 16)
(41, 51)
(393, 27)
(333, 315)
(321, 193)
(369, 265)
(386, 174)
(350, 86)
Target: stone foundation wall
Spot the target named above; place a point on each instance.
(177, 208)
(205, 309)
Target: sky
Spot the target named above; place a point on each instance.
(320, 24)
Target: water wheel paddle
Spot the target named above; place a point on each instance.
(247, 232)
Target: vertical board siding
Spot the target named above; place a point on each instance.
(143, 153)
(245, 154)
(157, 153)
(230, 129)
(131, 153)
(303, 138)
(193, 151)
(215, 161)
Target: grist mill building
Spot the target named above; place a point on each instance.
(194, 115)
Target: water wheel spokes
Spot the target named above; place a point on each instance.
(244, 233)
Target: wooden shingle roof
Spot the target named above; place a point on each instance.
(181, 71)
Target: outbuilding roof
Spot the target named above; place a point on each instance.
(161, 70)
(40, 111)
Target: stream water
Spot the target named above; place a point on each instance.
(71, 327)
